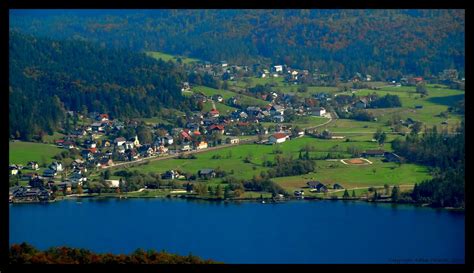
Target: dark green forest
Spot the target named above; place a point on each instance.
(445, 154)
(27, 254)
(382, 43)
(48, 77)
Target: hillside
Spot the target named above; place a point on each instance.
(383, 43)
(48, 77)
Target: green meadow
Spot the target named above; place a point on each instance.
(23, 152)
(232, 161)
(168, 57)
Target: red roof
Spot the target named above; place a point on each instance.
(104, 116)
(197, 133)
(185, 135)
(59, 141)
(214, 111)
(93, 150)
(214, 126)
(279, 135)
(418, 79)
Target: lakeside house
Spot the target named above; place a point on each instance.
(337, 186)
(320, 187)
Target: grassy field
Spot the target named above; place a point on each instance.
(167, 57)
(22, 152)
(226, 94)
(350, 176)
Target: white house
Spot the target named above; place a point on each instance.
(113, 183)
(278, 68)
(277, 138)
(57, 166)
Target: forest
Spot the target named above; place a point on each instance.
(27, 254)
(445, 154)
(48, 78)
(382, 43)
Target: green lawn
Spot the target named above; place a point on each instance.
(167, 57)
(23, 152)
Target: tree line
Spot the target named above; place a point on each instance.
(27, 254)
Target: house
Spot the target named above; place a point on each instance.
(104, 162)
(217, 98)
(185, 147)
(201, 145)
(392, 157)
(318, 111)
(374, 153)
(33, 165)
(299, 193)
(320, 187)
(161, 149)
(277, 110)
(278, 68)
(277, 138)
(185, 136)
(13, 169)
(49, 173)
(97, 127)
(57, 166)
(171, 174)
(103, 117)
(77, 178)
(166, 140)
(206, 173)
(36, 183)
(233, 140)
(337, 186)
(119, 141)
(278, 118)
(113, 183)
(213, 113)
(361, 104)
(67, 186)
(216, 128)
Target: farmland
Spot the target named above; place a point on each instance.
(23, 152)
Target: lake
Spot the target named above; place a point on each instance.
(247, 232)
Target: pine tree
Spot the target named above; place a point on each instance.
(346, 194)
(353, 193)
(395, 194)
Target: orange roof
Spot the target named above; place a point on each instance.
(196, 133)
(279, 135)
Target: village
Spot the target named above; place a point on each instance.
(104, 142)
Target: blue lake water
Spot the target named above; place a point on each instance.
(291, 232)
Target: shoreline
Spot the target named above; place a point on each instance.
(259, 200)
